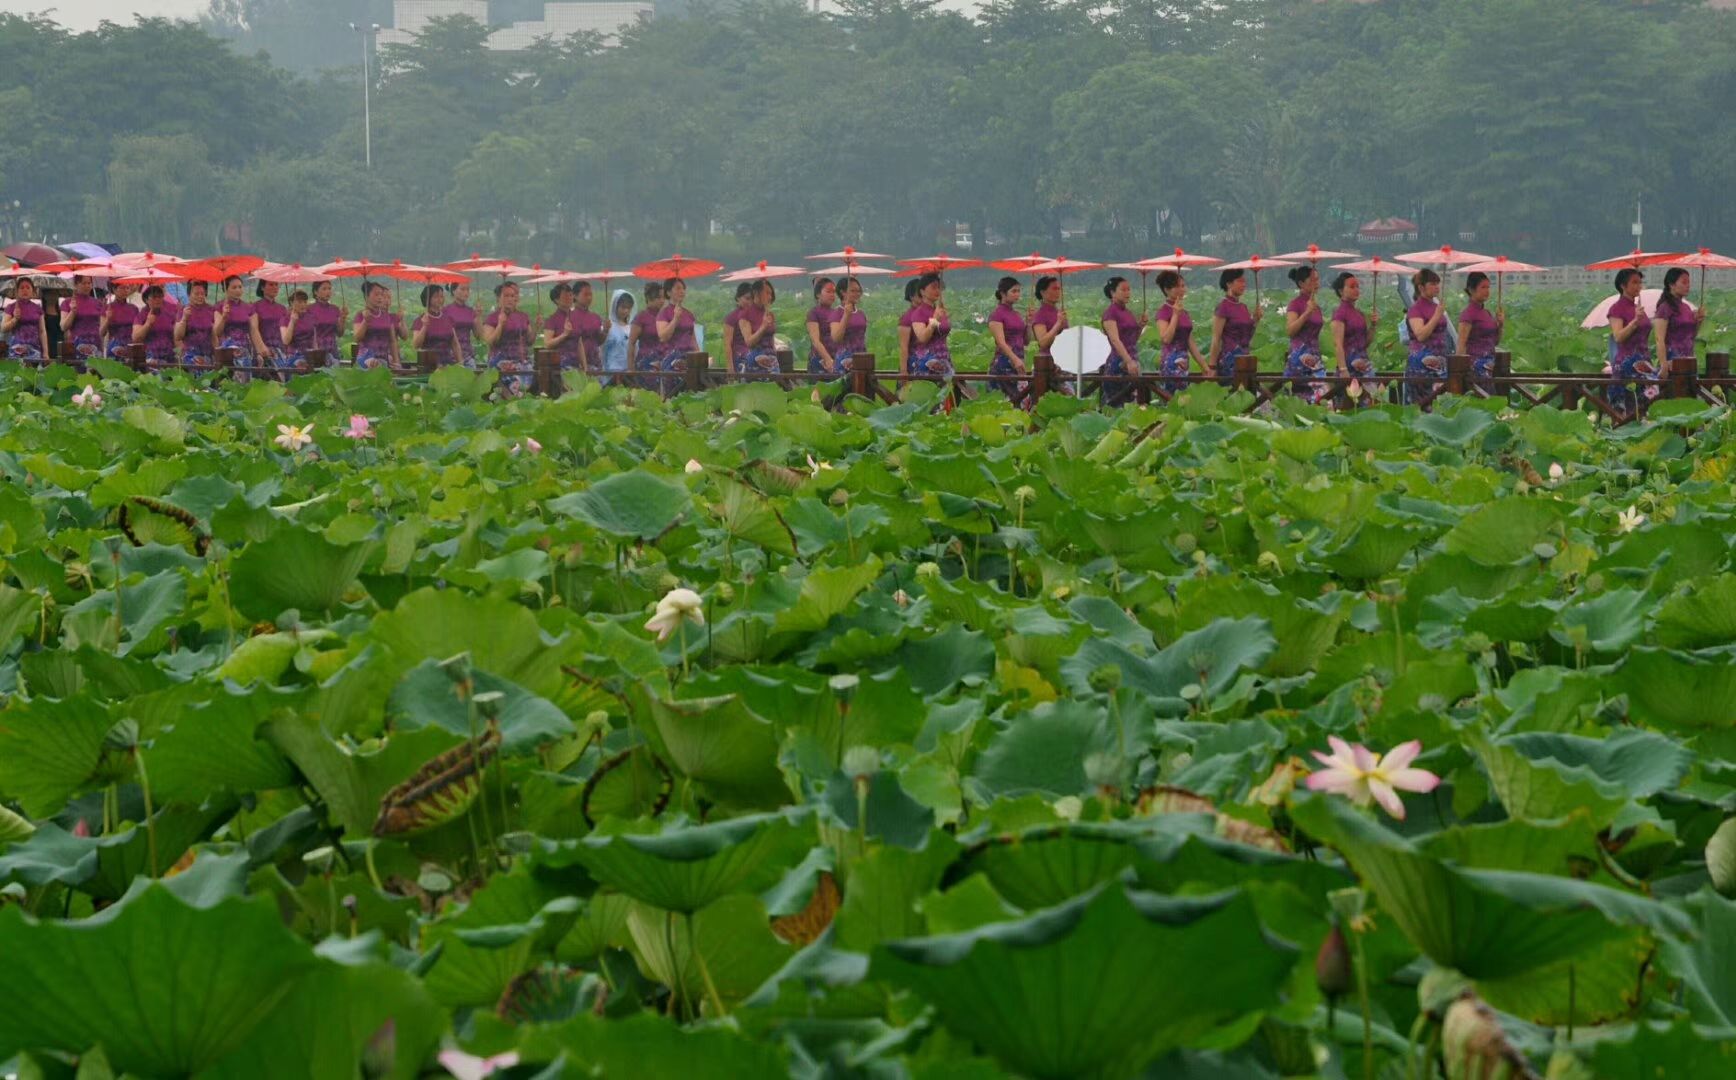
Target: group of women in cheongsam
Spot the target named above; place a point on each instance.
(268, 335)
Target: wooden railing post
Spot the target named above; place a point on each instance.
(1042, 375)
(1681, 378)
(1717, 365)
(548, 372)
(786, 361)
(427, 360)
(1242, 377)
(1570, 396)
(136, 358)
(68, 355)
(696, 365)
(318, 358)
(225, 358)
(1458, 374)
(862, 374)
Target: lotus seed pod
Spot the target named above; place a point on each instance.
(1333, 972)
(861, 761)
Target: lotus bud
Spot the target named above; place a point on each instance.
(1269, 561)
(1333, 972)
(1474, 1045)
(693, 466)
(1060, 592)
(901, 598)
(1105, 771)
(668, 582)
(1106, 679)
(1068, 807)
(724, 591)
(861, 762)
(840, 497)
(1024, 493)
(1721, 858)
(928, 570)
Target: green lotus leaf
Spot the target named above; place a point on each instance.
(1503, 532)
(1677, 690)
(720, 743)
(645, 1045)
(1069, 992)
(733, 937)
(429, 697)
(1700, 615)
(685, 867)
(294, 568)
(632, 505)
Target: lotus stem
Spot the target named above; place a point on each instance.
(677, 985)
(150, 813)
(1362, 1001)
(704, 971)
(373, 871)
(682, 630)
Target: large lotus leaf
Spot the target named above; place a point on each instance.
(1701, 615)
(645, 1045)
(826, 592)
(14, 828)
(18, 610)
(1374, 550)
(144, 607)
(1533, 789)
(685, 867)
(891, 813)
(1638, 762)
(749, 517)
(881, 891)
(1487, 924)
(1649, 1051)
(1608, 623)
(1598, 986)
(428, 697)
(1703, 964)
(721, 744)
(50, 750)
(733, 937)
(1679, 690)
(495, 938)
(327, 1022)
(350, 783)
(632, 505)
(1210, 658)
(1048, 865)
(294, 568)
(165, 988)
(1504, 531)
(1457, 428)
(211, 747)
(502, 637)
(1075, 990)
(939, 663)
(1304, 632)
(1044, 750)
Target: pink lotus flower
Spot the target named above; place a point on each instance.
(1361, 775)
(529, 444)
(359, 428)
(470, 1067)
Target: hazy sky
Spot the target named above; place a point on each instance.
(86, 14)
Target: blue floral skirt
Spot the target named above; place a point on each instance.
(1304, 367)
(1226, 369)
(1633, 367)
(1422, 364)
(1361, 369)
(86, 348)
(840, 364)
(24, 348)
(1002, 365)
(1172, 362)
(517, 375)
(758, 359)
(369, 357)
(933, 360)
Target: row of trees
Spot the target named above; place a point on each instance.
(1242, 124)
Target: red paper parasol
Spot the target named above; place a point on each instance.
(1257, 263)
(676, 266)
(1019, 264)
(424, 275)
(1500, 266)
(1179, 260)
(147, 275)
(479, 262)
(852, 271)
(219, 267)
(17, 270)
(935, 264)
(1636, 259)
(346, 268)
(32, 255)
(1705, 259)
(1376, 266)
(761, 271)
(1313, 253)
(555, 277)
(1445, 255)
(290, 274)
(849, 254)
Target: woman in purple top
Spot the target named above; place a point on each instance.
(81, 320)
(912, 297)
(822, 317)
(1123, 329)
(930, 326)
(561, 330)
(155, 330)
(299, 331)
(675, 326)
(378, 329)
(1427, 360)
(1630, 333)
(234, 328)
(1007, 328)
(1350, 335)
(1302, 323)
(196, 327)
(433, 330)
(269, 318)
(1047, 319)
(757, 331)
(1479, 331)
(589, 325)
(1232, 326)
(463, 318)
(327, 320)
(22, 326)
(644, 350)
(733, 345)
(1175, 330)
(507, 333)
(118, 319)
(1675, 322)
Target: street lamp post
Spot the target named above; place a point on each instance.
(367, 109)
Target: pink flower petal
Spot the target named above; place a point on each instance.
(1365, 759)
(1420, 780)
(1340, 749)
(1387, 798)
(1335, 782)
(1401, 755)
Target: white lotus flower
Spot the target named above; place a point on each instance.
(88, 398)
(693, 466)
(677, 605)
(293, 438)
(815, 466)
(1629, 520)
(1556, 472)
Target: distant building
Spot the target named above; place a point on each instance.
(560, 20)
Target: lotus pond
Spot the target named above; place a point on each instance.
(735, 737)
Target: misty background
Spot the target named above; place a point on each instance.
(765, 129)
